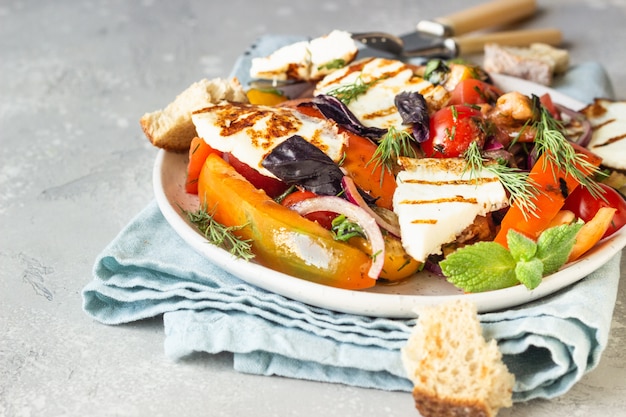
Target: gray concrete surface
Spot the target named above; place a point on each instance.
(75, 76)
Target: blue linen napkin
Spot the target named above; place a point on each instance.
(148, 270)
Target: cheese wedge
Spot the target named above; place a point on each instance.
(608, 140)
(250, 132)
(436, 200)
(384, 79)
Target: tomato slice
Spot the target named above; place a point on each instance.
(585, 206)
(474, 91)
(272, 186)
(452, 129)
(546, 101)
(324, 218)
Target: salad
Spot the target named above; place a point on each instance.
(390, 168)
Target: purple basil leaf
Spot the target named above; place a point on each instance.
(413, 110)
(297, 162)
(332, 108)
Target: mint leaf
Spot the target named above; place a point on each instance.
(486, 266)
(521, 247)
(529, 273)
(483, 266)
(554, 246)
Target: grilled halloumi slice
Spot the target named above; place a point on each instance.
(250, 132)
(381, 80)
(436, 199)
(608, 140)
(306, 60)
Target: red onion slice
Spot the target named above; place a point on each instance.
(585, 126)
(356, 214)
(352, 193)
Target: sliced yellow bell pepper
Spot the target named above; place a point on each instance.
(281, 238)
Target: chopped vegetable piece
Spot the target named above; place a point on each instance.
(553, 185)
(398, 263)
(414, 112)
(585, 206)
(324, 218)
(272, 186)
(281, 239)
(332, 108)
(265, 97)
(376, 181)
(592, 232)
(366, 223)
(198, 152)
(298, 162)
(452, 130)
(473, 91)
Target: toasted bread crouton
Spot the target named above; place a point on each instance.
(455, 372)
(171, 128)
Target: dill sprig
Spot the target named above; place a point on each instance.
(551, 141)
(220, 235)
(344, 229)
(349, 92)
(333, 64)
(519, 185)
(395, 143)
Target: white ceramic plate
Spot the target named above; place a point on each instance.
(392, 300)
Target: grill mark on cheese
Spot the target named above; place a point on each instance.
(608, 137)
(391, 74)
(455, 199)
(472, 181)
(380, 113)
(611, 141)
(316, 140)
(232, 118)
(606, 122)
(356, 67)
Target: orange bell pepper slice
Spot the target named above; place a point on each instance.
(553, 186)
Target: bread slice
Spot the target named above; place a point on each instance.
(537, 63)
(455, 372)
(171, 128)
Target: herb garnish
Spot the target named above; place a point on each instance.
(395, 143)
(334, 64)
(436, 71)
(520, 187)
(344, 229)
(349, 92)
(220, 235)
(486, 266)
(551, 140)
